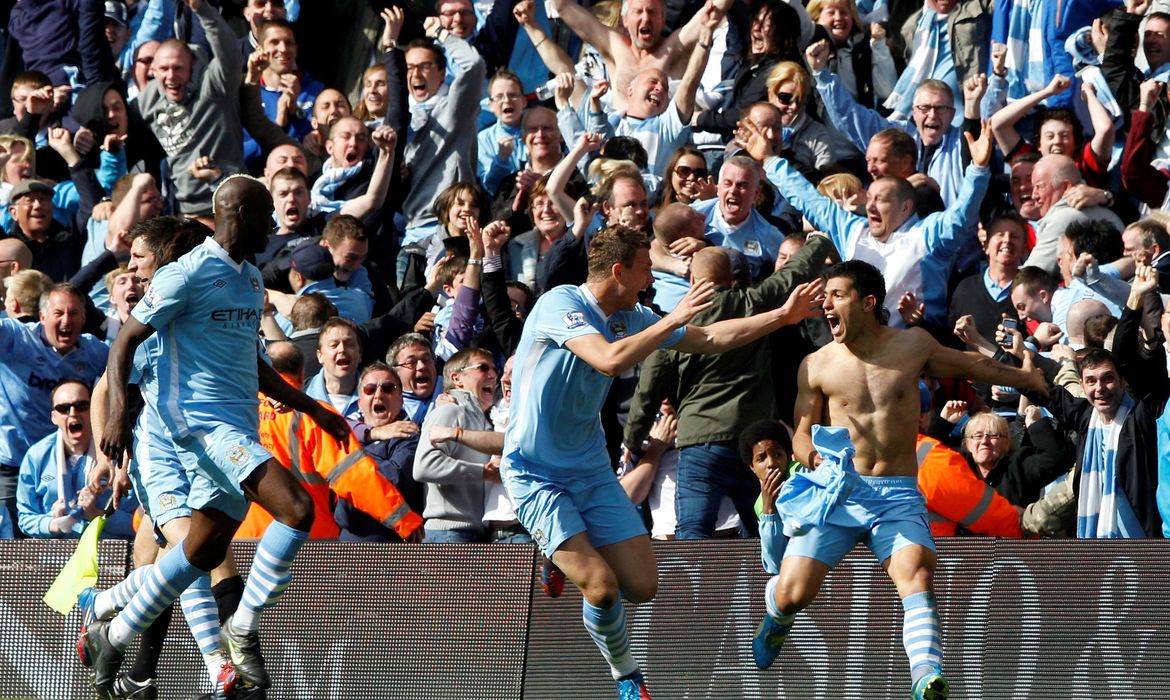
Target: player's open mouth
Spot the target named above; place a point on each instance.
(834, 323)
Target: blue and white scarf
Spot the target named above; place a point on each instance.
(325, 188)
(1025, 49)
(1102, 508)
(929, 34)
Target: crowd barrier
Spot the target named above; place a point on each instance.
(1039, 619)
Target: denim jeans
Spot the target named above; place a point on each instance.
(707, 473)
(459, 536)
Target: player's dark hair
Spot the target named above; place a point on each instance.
(867, 280)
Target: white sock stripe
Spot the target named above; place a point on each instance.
(271, 559)
(929, 625)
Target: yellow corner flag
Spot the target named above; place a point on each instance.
(80, 572)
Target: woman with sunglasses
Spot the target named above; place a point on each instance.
(808, 144)
(687, 179)
(770, 33)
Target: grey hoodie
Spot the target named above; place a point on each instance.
(206, 122)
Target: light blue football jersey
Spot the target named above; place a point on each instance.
(206, 309)
(555, 418)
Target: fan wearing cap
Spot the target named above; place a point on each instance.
(311, 270)
(56, 249)
(52, 497)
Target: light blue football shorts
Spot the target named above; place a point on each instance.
(557, 506)
(887, 513)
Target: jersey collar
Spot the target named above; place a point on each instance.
(218, 251)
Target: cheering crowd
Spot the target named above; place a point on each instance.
(436, 169)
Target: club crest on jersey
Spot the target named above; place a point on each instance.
(237, 455)
(618, 328)
(167, 501)
(574, 319)
(752, 247)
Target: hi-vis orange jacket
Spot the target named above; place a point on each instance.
(956, 496)
(327, 470)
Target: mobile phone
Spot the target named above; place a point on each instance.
(1009, 324)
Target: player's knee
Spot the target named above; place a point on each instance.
(600, 588)
(639, 592)
(794, 596)
(921, 579)
(300, 512)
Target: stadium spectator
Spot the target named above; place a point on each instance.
(340, 354)
(413, 360)
(53, 500)
(457, 466)
(1053, 179)
(391, 439)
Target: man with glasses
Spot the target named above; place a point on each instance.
(455, 454)
(941, 154)
(390, 439)
(34, 359)
(495, 41)
(441, 137)
(501, 148)
(53, 500)
(413, 361)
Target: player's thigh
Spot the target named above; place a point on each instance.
(146, 549)
(175, 530)
(634, 565)
(587, 569)
(801, 579)
(278, 491)
(911, 568)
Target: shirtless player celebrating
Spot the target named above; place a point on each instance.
(857, 413)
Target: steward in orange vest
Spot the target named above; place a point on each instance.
(328, 470)
(955, 496)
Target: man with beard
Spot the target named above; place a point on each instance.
(53, 500)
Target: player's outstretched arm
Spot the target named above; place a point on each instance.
(613, 359)
(948, 362)
(805, 301)
(115, 439)
(807, 411)
(274, 386)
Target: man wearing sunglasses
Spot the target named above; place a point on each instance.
(455, 455)
(34, 359)
(53, 500)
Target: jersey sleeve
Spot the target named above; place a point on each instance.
(563, 317)
(166, 298)
(646, 318)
